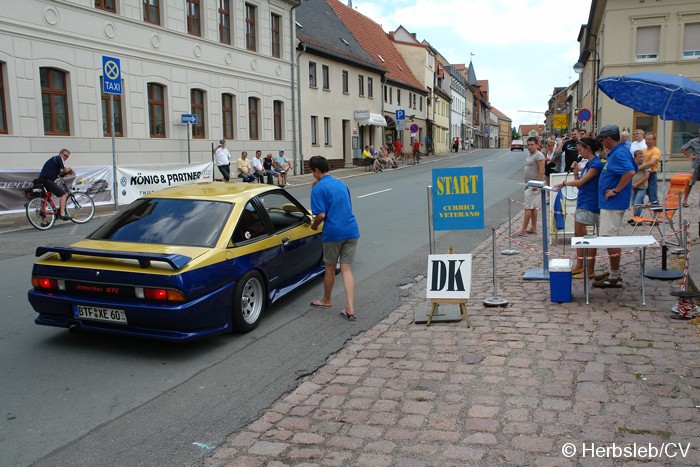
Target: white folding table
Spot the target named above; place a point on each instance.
(629, 241)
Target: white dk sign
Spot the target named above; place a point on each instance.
(449, 276)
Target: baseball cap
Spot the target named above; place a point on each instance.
(608, 130)
(281, 150)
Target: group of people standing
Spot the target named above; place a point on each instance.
(258, 168)
(607, 169)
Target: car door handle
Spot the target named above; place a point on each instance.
(285, 241)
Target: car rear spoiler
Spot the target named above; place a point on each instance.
(144, 259)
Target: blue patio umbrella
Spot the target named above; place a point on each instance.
(671, 97)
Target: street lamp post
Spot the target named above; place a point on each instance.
(578, 68)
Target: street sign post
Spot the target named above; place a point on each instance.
(112, 84)
(188, 119)
(583, 115)
(560, 121)
(111, 75)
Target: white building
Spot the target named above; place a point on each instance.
(340, 88)
(228, 62)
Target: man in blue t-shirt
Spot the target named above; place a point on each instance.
(332, 205)
(614, 193)
(50, 172)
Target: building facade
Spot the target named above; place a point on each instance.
(227, 62)
(340, 88)
(647, 36)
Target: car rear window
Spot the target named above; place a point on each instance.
(167, 222)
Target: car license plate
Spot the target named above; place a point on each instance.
(101, 314)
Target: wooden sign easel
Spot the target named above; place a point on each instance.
(453, 301)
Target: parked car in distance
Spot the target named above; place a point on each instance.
(517, 144)
(181, 263)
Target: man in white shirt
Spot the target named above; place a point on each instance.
(638, 142)
(223, 160)
(282, 166)
(259, 171)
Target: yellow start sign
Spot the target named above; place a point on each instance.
(559, 122)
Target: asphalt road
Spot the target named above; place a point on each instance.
(86, 399)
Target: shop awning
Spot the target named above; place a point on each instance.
(434, 123)
(372, 119)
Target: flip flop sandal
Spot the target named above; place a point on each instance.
(608, 284)
(319, 304)
(347, 316)
(577, 271)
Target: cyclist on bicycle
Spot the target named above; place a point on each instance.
(53, 168)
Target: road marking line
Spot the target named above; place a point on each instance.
(375, 193)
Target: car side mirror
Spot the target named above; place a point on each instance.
(306, 219)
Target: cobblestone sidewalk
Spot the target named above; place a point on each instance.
(529, 384)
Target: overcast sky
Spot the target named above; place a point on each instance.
(523, 48)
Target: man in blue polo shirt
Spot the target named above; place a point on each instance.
(614, 193)
(332, 205)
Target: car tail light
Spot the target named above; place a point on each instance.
(169, 295)
(44, 283)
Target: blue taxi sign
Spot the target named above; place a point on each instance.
(111, 75)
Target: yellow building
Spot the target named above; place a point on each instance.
(629, 36)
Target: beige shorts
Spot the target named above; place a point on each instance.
(610, 221)
(343, 252)
(533, 198)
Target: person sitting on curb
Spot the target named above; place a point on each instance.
(258, 169)
(367, 155)
(282, 166)
(268, 163)
(385, 159)
(243, 168)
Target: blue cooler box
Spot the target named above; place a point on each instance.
(560, 280)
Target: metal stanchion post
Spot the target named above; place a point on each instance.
(510, 250)
(540, 274)
(494, 300)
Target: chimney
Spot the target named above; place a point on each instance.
(350, 3)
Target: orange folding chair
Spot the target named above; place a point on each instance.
(677, 185)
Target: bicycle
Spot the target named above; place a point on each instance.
(42, 212)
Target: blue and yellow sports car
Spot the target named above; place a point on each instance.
(181, 264)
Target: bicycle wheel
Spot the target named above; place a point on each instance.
(40, 213)
(80, 207)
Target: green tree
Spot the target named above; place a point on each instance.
(514, 134)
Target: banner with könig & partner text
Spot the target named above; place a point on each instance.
(134, 182)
